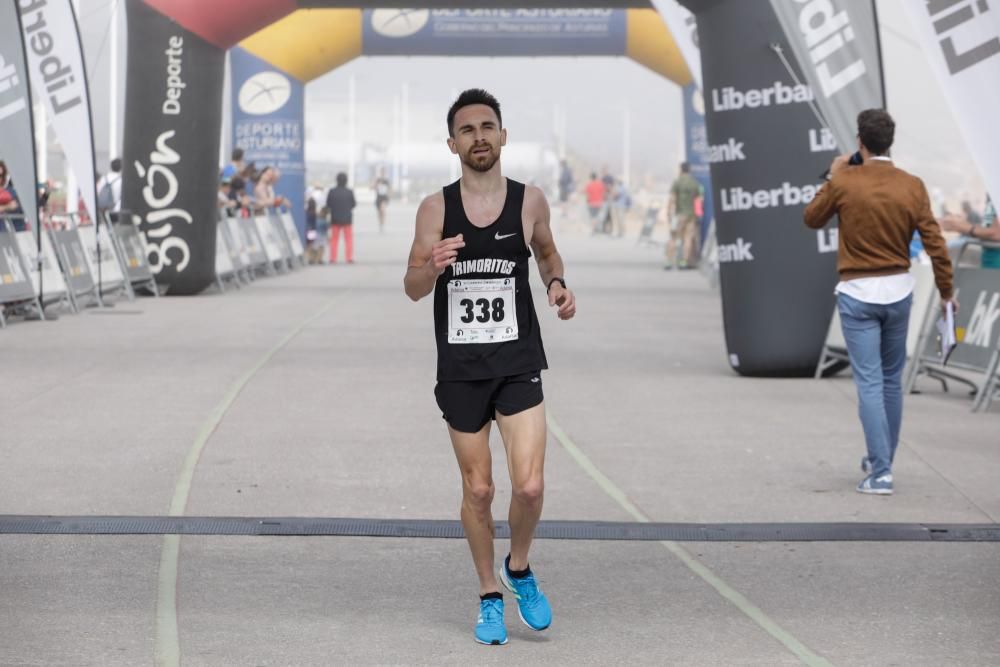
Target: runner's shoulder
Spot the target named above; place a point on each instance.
(534, 198)
(431, 210)
(535, 206)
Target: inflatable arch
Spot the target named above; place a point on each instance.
(176, 65)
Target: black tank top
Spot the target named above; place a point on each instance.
(484, 317)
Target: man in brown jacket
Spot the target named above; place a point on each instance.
(880, 207)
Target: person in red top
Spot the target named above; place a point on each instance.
(596, 192)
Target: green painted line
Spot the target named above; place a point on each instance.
(752, 611)
(167, 635)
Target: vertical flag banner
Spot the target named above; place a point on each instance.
(57, 72)
(962, 41)
(836, 45)
(17, 136)
(268, 109)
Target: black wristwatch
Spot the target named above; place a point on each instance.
(562, 282)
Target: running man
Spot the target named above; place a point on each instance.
(471, 249)
(381, 187)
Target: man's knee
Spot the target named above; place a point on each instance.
(529, 491)
(479, 494)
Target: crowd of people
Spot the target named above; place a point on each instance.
(245, 189)
(609, 202)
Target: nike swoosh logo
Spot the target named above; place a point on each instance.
(498, 237)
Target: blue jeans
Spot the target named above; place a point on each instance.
(876, 343)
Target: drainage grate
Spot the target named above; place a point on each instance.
(553, 530)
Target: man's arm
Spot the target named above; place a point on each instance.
(824, 205)
(430, 255)
(957, 223)
(934, 244)
(550, 263)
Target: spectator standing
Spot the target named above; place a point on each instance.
(879, 206)
(316, 247)
(595, 192)
(8, 200)
(263, 192)
(109, 189)
(988, 231)
(235, 167)
(340, 205)
(683, 221)
(382, 189)
(621, 202)
(566, 186)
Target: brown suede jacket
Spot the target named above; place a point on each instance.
(880, 206)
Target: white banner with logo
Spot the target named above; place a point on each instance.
(836, 45)
(56, 70)
(17, 135)
(682, 26)
(962, 41)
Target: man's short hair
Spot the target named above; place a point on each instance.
(116, 165)
(467, 99)
(685, 167)
(876, 129)
(237, 154)
(341, 179)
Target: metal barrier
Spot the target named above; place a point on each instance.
(105, 260)
(132, 250)
(46, 277)
(297, 250)
(73, 261)
(15, 277)
(977, 327)
(274, 249)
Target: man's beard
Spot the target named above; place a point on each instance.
(483, 162)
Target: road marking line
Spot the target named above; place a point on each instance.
(751, 610)
(167, 635)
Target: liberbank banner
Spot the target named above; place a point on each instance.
(836, 45)
(766, 151)
(269, 124)
(499, 32)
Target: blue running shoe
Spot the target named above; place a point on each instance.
(490, 628)
(879, 486)
(532, 605)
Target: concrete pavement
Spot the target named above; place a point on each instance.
(311, 395)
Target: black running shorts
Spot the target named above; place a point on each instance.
(468, 406)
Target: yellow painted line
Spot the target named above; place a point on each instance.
(752, 611)
(167, 635)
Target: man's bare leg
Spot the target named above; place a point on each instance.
(474, 460)
(671, 253)
(524, 437)
(690, 240)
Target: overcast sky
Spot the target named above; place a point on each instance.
(594, 92)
